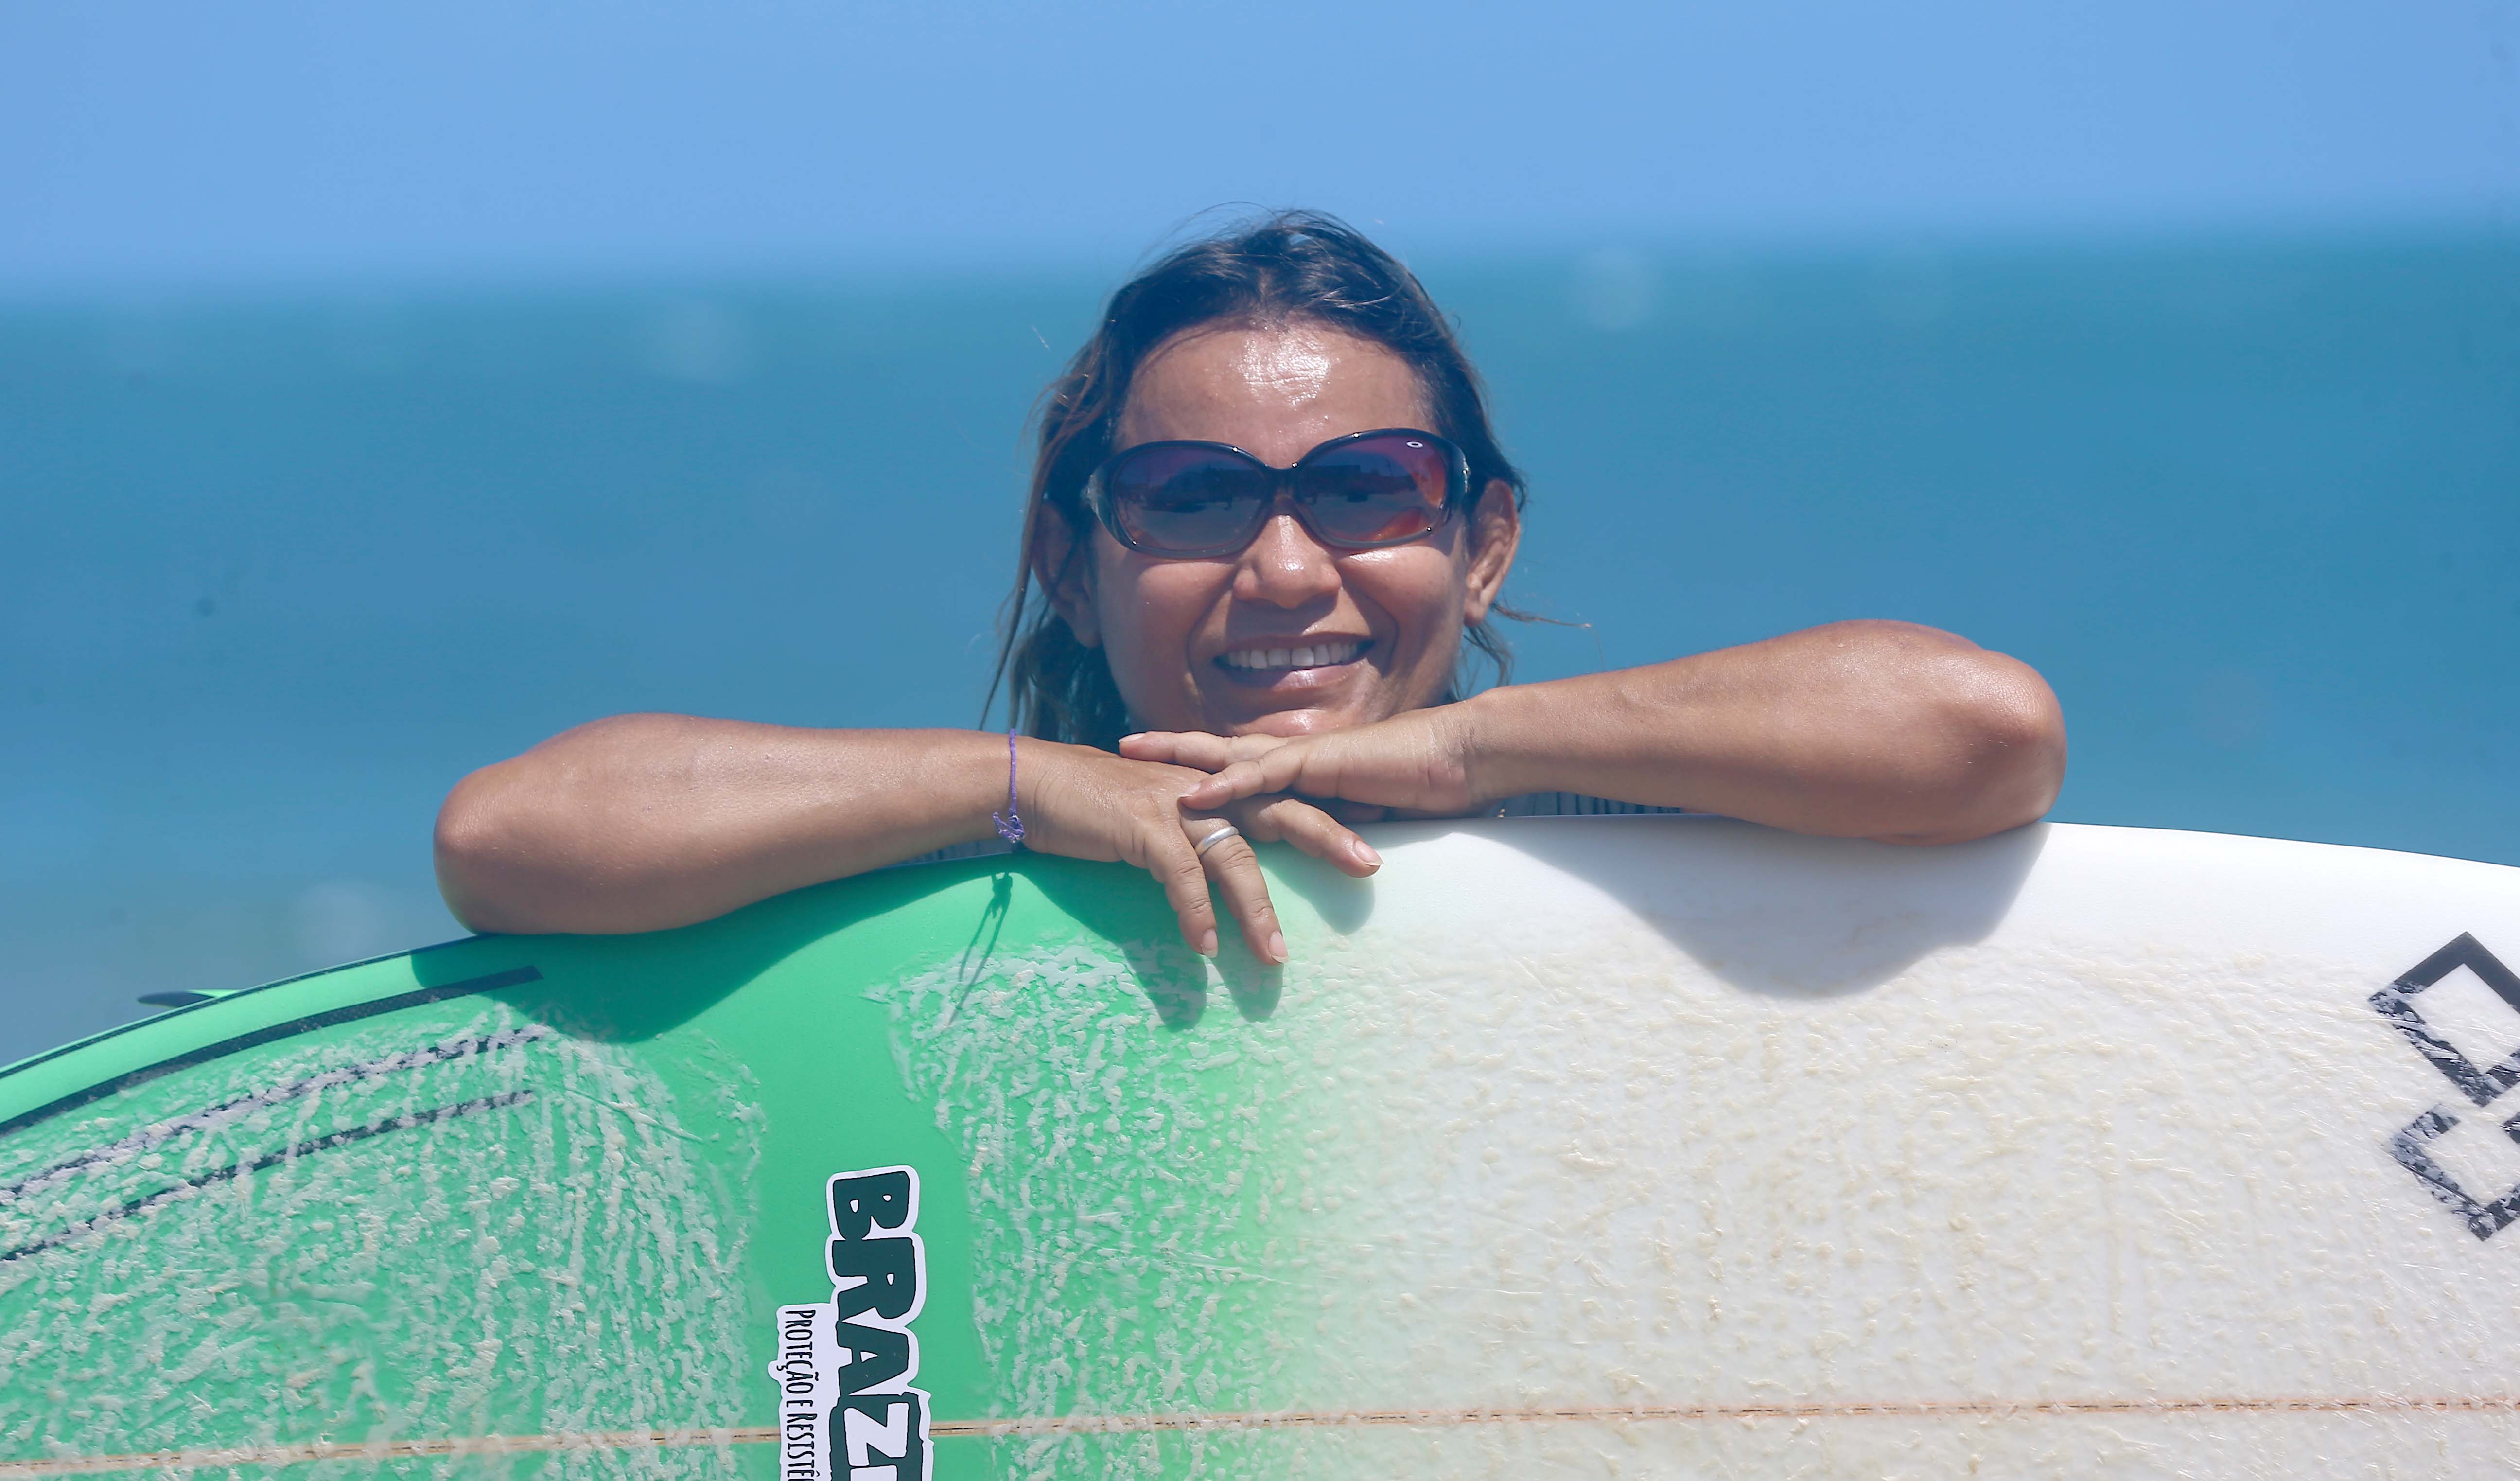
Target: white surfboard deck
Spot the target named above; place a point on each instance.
(2077, 1151)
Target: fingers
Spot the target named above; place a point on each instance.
(1178, 867)
(1235, 868)
(1275, 772)
(1235, 871)
(1172, 747)
(1196, 749)
(1131, 810)
(1311, 829)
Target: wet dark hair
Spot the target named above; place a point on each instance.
(1287, 267)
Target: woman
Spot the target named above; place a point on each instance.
(1267, 514)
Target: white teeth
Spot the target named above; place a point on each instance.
(1312, 655)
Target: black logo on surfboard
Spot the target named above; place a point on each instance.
(846, 1407)
(2480, 1078)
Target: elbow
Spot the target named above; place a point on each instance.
(2020, 746)
(479, 846)
(557, 840)
(2002, 750)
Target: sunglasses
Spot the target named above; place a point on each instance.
(1188, 500)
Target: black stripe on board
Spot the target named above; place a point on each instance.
(228, 1174)
(120, 1029)
(328, 1018)
(150, 1137)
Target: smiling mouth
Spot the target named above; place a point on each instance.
(1261, 661)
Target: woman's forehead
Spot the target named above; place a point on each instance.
(1274, 390)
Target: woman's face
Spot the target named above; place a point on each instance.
(1209, 645)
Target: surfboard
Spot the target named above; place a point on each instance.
(1615, 1146)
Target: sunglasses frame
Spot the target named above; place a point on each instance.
(1098, 499)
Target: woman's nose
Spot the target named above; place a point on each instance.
(1285, 566)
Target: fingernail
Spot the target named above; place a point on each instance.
(1207, 944)
(1276, 946)
(1365, 852)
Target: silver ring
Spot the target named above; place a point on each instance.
(1224, 830)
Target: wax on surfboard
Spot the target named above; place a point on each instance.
(1620, 1147)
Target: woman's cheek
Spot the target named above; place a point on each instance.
(1419, 595)
(1149, 612)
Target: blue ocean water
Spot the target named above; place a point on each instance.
(274, 571)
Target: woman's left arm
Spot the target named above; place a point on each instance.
(1870, 730)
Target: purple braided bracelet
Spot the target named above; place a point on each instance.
(1011, 825)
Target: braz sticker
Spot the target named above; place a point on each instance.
(846, 1407)
(2481, 1084)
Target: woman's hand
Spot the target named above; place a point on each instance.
(1416, 763)
(1085, 803)
(646, 822)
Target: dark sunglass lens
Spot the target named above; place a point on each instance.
(1379, 489)
(1184, 498)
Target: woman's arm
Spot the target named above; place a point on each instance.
(1872, 730)
(1867, 730)
(644, 821)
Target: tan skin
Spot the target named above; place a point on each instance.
(1873, 729)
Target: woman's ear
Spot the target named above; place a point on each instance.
(1063, 564)
(1496, 532)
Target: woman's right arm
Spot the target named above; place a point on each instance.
(643, 822)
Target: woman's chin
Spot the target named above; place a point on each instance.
(1307, 701)
(1287, 715)
(1302, 715)
(1287, 724)
(1292, 702)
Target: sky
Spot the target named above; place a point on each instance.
(150, 143)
